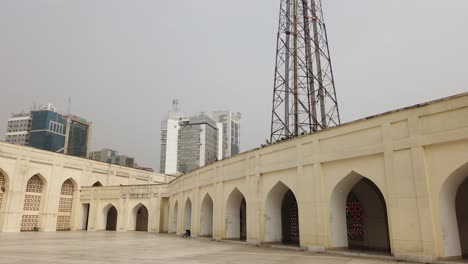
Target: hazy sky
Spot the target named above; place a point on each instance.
(122, 62)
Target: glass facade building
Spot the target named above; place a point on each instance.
(235, 138)
(48, 130)
(230, 134)
(197, 143)
(190, 142)
(112, 156)
(78, 133)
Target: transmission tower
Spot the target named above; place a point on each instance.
(304, 97)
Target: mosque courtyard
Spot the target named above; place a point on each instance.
(142, 247)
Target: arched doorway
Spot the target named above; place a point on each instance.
(65, 206)
(188, 215)
(243, 220)
(141, 222)
(281, 216)
(453, 213)
(111, 219)
(359, 215)
(236, 216)
(175, 213)
(32, 204)
(97, 184)
(290, 219)
(461, 202)
(366, 218)
(206, 219)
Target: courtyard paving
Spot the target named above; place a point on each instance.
(141, 247)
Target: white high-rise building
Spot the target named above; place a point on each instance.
(19, 128)
(169, 142)
(230, 124)
(191, 142)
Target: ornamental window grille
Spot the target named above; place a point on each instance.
(290, 219)
(32, 204)
(354, 218)
(34, 185)
(65, 206)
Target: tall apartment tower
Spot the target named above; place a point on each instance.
(188, 143)
(230, 133)
(18, 129)
(169, 142)
(197, 143)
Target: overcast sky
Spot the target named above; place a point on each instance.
(122, 62)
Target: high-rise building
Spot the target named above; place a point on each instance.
(78, 135)
(197, 143)
(188, 143)
(230, 132)
(169, 142)
(48, 129)
(45, 128)
(19, 127)
(112, 156)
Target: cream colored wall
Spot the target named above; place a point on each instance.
(408, 154)
(18, 164)
(127, 200)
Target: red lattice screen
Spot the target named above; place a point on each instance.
(354, 218)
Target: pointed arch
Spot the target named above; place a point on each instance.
(236, 216)
(65, 205)
(109, 216)
(188, 214)
(206, 217)
(139, 218)
(4, 185)
(97, 184)
(43, 180)
(281, 218)
(35, 189)
(453, 197)
(358, 215)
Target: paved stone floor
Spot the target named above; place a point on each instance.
(141, 247)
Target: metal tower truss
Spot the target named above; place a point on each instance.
(304, 97)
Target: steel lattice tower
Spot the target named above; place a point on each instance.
(304, 97)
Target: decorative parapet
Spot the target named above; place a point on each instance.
(145, 191)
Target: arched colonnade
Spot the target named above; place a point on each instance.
(358, 208)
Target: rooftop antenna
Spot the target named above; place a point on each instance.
(69, 105)
(175, 105)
